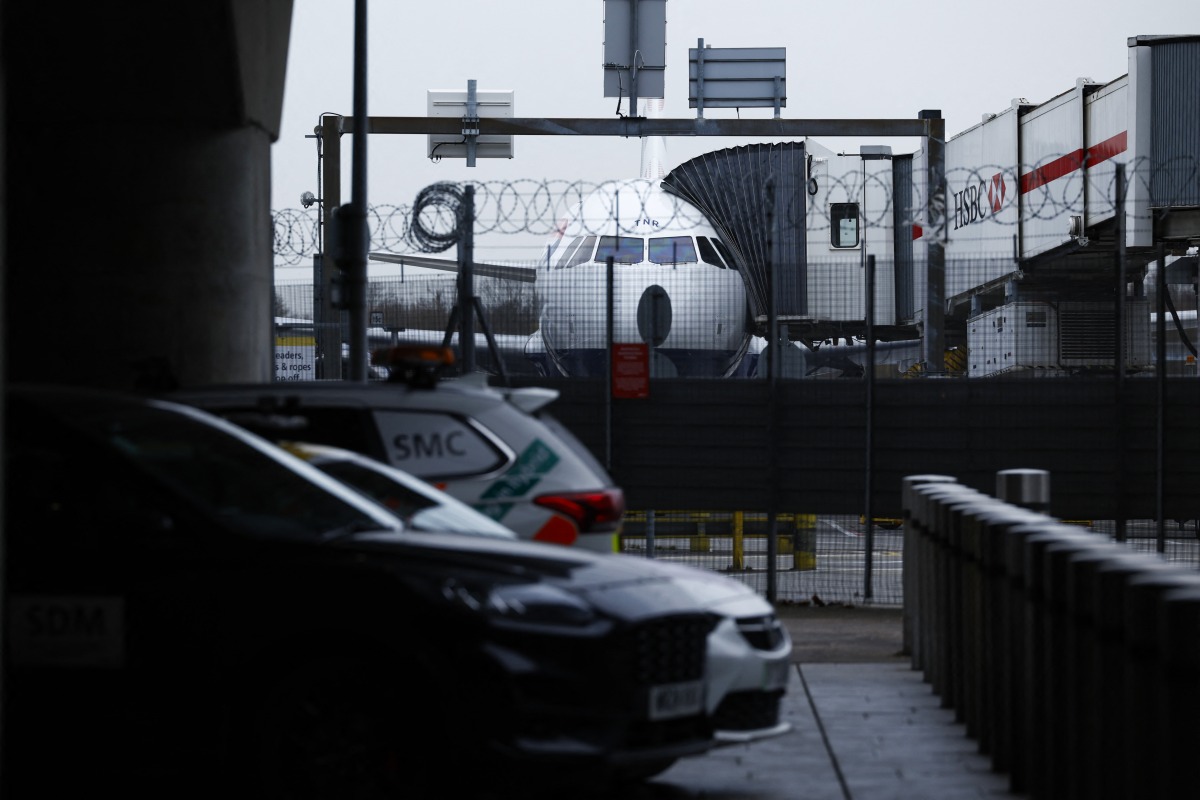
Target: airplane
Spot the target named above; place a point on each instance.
(675, 283)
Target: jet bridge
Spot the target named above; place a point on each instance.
(801, 221)
(1034, 210)
(1033, 217)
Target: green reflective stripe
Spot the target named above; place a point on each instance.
(495, 511)
(524, 474)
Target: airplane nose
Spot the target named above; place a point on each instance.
(654, 315)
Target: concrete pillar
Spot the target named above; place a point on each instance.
(139, 245)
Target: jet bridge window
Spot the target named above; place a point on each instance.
(843, 224)
(708, 253)
(623, 249)
(672, 250)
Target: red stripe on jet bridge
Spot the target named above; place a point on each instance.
(1072, 161)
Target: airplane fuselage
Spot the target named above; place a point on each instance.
(674, 286)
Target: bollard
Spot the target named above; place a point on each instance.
(1037, 652)
(1057, 665)
(952, 503)
(1178, 714)
(928, 513)
(911, 562)
(1141, 737)
(970, 618)
(1109, 599)
(1028, 488)
(1001, 523)
(1022, 736)
(1084, 702)
(977, 620)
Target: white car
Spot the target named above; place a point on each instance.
(497, 450)
(419, 505)
(749, 652)
(749, 656)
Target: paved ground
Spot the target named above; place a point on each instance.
(840, 634)
(865, 726)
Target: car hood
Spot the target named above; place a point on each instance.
(715, 592)
(626, 587)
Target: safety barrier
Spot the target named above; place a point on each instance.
(1074, 662)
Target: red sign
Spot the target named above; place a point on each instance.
(631, 370)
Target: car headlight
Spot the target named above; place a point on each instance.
(762, 633)
(526, 603)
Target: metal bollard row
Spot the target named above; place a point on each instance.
(1072, 661)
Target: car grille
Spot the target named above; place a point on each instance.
(598, 692)
(763, 633)
(747, 711)
(668, 650)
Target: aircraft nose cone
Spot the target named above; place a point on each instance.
(654, 315)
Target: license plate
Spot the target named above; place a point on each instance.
(776, 674)
(672, 700)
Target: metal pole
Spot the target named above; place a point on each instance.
(356, 219)
(650, 533)
(870, 425)
(329, 331)
(1160, 366)
(608, 345)
(1119, 356)
(466, 279)
(935, 211)
(472, 117)
(633, 57)
(772, 401)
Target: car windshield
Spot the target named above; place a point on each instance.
(243, 483)
(420, 509)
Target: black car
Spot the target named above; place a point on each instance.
(189, 607)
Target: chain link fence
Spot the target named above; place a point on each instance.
(1090, 313)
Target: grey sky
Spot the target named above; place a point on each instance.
(866, 59)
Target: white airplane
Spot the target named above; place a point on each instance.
(675, 284)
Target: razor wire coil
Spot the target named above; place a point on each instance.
(529, 206)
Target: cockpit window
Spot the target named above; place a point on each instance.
(623, 249)
(725, 254)
(567, 251)
(579, 251)
(672, 250)
(708, 253)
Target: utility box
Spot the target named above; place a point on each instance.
(1029, 337)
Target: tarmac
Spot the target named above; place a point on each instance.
(865, 725)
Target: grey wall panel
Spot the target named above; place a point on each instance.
(709, 445)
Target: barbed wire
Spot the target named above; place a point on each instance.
(536, 207)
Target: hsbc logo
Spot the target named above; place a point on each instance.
(976, 202)
(996, 192)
